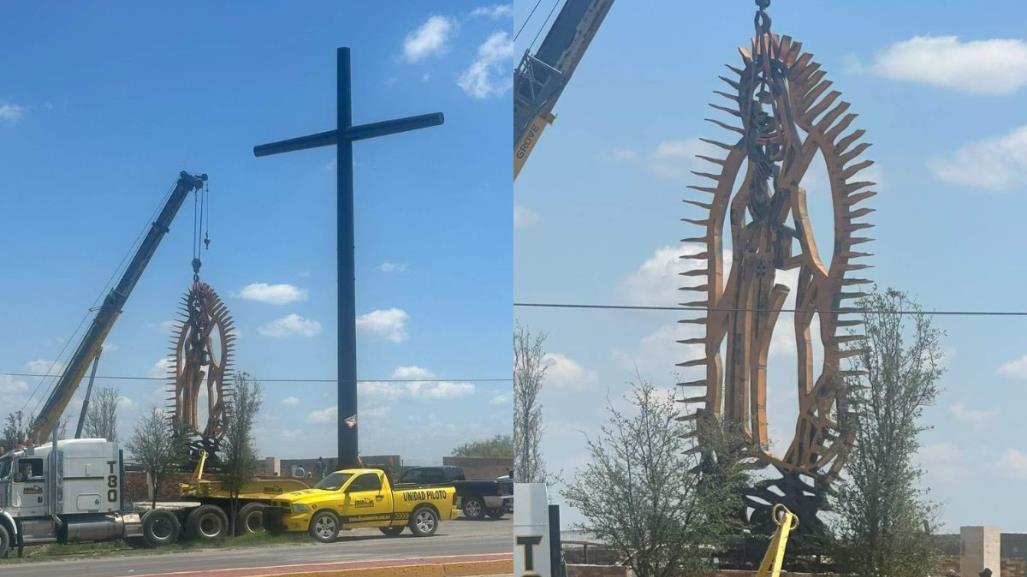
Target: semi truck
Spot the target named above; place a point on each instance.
(361, 498)
(75, 492)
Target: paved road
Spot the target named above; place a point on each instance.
(457, 537)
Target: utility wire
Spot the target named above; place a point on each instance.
(969, 313)
(130, 378)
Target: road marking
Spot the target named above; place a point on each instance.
(269, 570)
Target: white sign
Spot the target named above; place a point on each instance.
(531, 530)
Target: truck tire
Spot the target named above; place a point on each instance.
(250, 519)
(496, 513)
(161, 528)
(474, 508)
(424, 521)
(5, 542)
(324, 526)
(392, 531)
(206, 523)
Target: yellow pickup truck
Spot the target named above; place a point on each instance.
(360, 498)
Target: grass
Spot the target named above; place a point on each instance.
(112, 548)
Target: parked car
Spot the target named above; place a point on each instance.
(477, 498)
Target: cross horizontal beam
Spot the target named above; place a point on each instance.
(353, 133)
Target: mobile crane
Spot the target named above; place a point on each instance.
(72, 490)
(541, 77)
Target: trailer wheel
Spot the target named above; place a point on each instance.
(161, 528)
(474, 508)
(250, 519)
(392, 531)
(206, 523)
(324, 527)
(424, 522)
(5, 542)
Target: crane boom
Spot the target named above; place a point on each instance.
(92, 340)
(541, 77)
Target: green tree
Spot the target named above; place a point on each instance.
(155, 446)
(238, 449)
(498, 446)
(16, 429)
(102, 417)
(529, 373)
(884, 521)
(644, 493)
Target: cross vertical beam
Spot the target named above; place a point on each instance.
(343, 137)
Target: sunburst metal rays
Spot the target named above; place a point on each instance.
(200, 362)
(781, 113)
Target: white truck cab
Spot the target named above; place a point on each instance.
(71, 494)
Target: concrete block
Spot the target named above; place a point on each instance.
(980, 548)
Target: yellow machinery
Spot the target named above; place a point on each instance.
(259, 489)
(786, 522)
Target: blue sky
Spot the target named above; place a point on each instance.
(939, 87)
(101, 104)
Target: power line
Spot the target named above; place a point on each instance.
(130, 378)
(968, 313)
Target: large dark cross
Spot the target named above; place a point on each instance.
(343, 137)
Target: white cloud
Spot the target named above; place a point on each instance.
(656, 281)
(524, 217)
(275, 294)
(11, 386)
(392, 267)
(290, 325)
(1014, 464)
(1014, 369)
(161, 369)
(290, 401)
(421, 387)
(493, 11)
(998, 163)
(969, 416)
(490, 75)
(412, 372)
(566, 373)
(326, 415)
(674, 159)
(44, 367)
(10, 112)
(126, 404)
(944, 461)
(993, 67)
(386, 324)
(501, 399)
(429, 39)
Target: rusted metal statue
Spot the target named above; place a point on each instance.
(201, 357)
(784, 114)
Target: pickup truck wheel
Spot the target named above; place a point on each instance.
(474, 508)
(496, 513)
(206, 523)
(424, 522)
(5, 542)
(160, 528)
(392, 531)
(324, 527)
(250, 519)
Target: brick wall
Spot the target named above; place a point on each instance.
(486, 468)
(137, 489)
(1010, 567)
